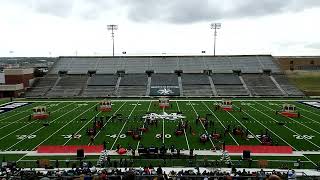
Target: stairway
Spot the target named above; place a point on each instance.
(180, 85)
(102, 156)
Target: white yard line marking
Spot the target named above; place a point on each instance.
(108, 121)
(123, 126)
(203, 126)
(143, 124)
(244, 126)
(27, 125)
(286, 127)
(16, 121)
(184, 130)
(41, 128)
(63, 127)
(269, 129)
(163, 127)
(220, 122)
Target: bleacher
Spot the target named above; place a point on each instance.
(42, 86)
(68, 86)
(134, 81)
(133, 85)
(228, 84)
(196, 85)
(100, 85)
(290, 89)
(164, 79)
(261, 85)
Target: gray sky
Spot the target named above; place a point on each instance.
(153, 27)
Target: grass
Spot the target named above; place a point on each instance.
(18, 133)
(309, 82)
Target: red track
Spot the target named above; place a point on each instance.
(260, 149)
(69, 149)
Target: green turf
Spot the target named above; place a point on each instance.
(18, 133)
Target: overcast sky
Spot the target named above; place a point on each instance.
(153, 27)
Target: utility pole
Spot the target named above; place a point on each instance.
(112, 28)
(215, 26)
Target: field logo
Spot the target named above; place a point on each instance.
(11, 106)
(165, 91)
(315, 104)
(164, 115)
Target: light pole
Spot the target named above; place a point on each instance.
(112, 28)
(215, 26)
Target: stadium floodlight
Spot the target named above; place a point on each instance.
(112, 28)
(215, 26)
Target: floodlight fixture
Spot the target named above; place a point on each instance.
(215, 26)
(112, 28)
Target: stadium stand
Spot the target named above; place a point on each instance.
(165, 64)
(228, 85)
(42, 86)
(163, 78)
(261, 85)
(101, 86)
(290, 89)
(68, 86)
(133, 85)
(196, 85)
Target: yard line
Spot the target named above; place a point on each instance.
(293, 120)
(244, 126)
(83, 127)
(63, 126)
(163, 127)
(269, 129)
(143, 125)
(109, 120)
(27, 125)
(203, 126)
(184, 130)
(124, 126)
(17, 119)
(220, 122)
(41, 128)
(287, 127)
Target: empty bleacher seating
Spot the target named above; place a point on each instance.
(196, 85)
(261, 85)
(228, 85)
(68, 86)
(133, 85)
(290, 89)
(42, 86)
(101, 85)
(164, 80)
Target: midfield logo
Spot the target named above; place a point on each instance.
(164, 115)
(165, 91)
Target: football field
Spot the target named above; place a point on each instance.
(19, 134)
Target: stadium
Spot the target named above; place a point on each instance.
(208, 112)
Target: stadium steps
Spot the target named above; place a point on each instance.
(84, 86)
(245, 86)
(213, 88)
(278, 85)
(54, 85)
(102, 156)
(116, 89)
(180, 85)
(148, 86)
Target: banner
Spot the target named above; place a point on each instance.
(164, 91)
